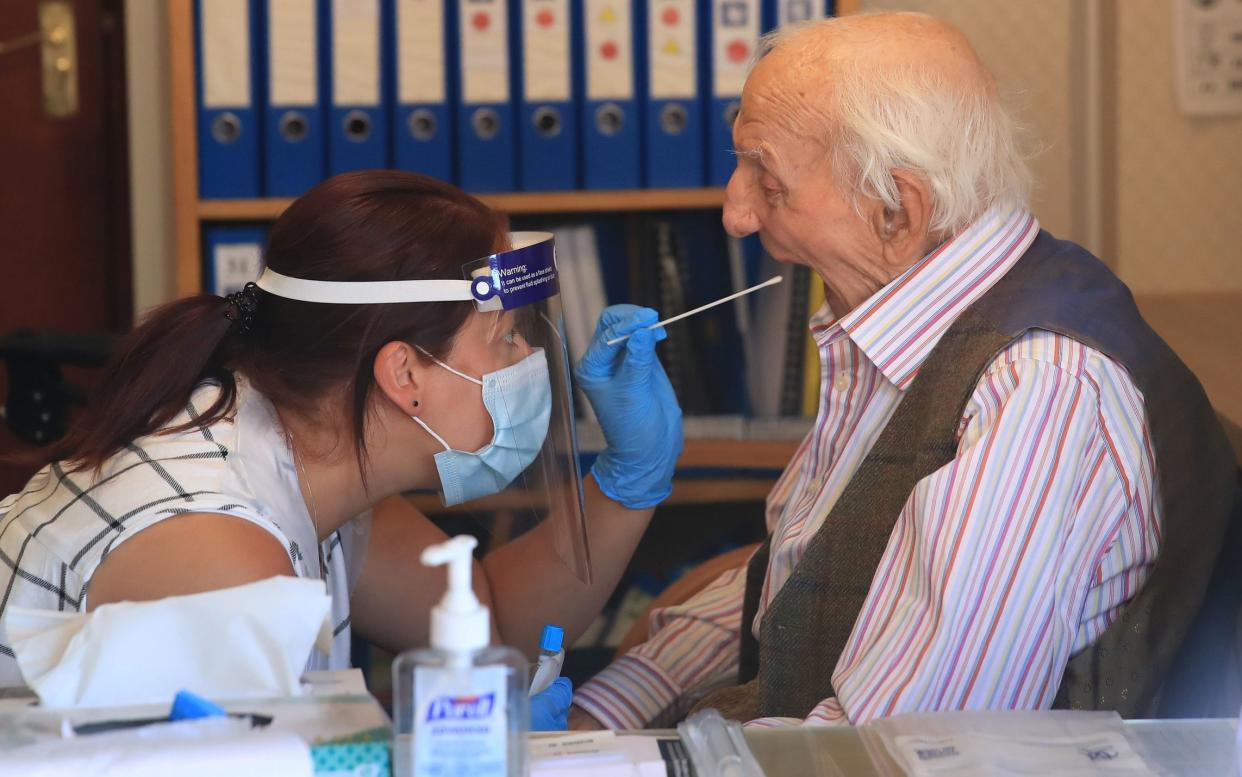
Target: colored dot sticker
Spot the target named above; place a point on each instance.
(481, 21)
(608, 15)
(738, 51)
(609, 50)
(545, 18)
(670, 17)
(671, 48)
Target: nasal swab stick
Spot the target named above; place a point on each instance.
(701, 308)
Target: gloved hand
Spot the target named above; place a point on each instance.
(549, 709)
(636, 407)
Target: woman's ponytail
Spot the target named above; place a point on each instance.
(151, 376)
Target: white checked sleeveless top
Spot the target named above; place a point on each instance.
(56, 532)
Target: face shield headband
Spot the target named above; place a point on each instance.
(523, 275)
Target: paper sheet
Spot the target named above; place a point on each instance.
(966, 754)
(1068, 743)
(607, 754)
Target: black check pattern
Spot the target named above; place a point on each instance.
(56, 531)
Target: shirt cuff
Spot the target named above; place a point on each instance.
(828, 712)
(628, 694)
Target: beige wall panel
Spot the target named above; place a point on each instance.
(150, 153)
(1027, 45)
(1179, 178)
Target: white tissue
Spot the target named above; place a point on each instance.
(244, 642)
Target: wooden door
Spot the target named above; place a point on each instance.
(64, 191)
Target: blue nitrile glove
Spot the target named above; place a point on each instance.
(636, 407)
(549, 709)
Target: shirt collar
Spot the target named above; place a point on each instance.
(899, 325)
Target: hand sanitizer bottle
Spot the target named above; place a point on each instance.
(459, 706)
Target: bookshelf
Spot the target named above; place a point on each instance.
(513, 203)
(190, 212)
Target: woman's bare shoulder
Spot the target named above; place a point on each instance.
(188, 554)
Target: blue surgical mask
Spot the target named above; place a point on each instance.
(519, 400)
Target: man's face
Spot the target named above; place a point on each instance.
(783, 187)
(785, 190)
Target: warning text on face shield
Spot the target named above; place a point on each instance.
(513, 282)
(526, 276)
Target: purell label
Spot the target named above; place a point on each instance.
(460, 725)
(461, 708)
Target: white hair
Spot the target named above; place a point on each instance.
(961, 141)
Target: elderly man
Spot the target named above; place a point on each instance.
(1014, 493)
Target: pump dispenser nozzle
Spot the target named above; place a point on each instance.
(459, 622)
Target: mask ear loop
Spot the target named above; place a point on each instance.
(427, 428)
(458, 373)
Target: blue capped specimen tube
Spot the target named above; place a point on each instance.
(551, 658)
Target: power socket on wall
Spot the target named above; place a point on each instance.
(1209, 56)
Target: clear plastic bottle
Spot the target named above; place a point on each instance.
(459, 706)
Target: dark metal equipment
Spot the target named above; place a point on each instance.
(39, 399)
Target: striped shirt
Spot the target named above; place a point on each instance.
(1001, 565)
(63, 524)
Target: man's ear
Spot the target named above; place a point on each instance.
(904, 231)
(397, 370)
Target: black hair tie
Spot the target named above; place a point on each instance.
(242, 305)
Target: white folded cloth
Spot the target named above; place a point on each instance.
(244, 642)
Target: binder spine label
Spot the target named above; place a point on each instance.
(236, 264)
(735, 34)
(671, 47)
(609, 46)
(226, 53)
(794, 11)
(545, 50)
(420, 45)
(292, 52)
(355, 53)
(484, 51)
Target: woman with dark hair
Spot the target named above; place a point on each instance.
(231, 437)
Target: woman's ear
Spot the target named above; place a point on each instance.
(397, 372)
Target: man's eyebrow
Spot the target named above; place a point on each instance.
(763, 156)
(755, 153)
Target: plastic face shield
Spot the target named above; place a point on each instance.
(517, 297)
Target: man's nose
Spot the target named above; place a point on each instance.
(739, 219)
